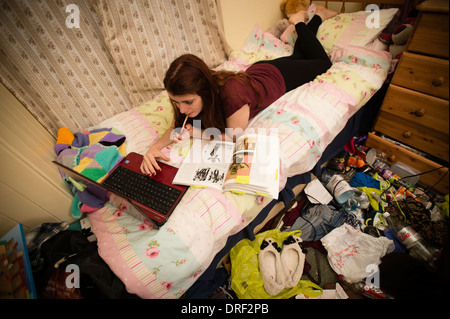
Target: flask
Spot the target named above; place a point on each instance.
(413, 242)
(338, 186)
(340, 189)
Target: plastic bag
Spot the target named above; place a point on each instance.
(246, 280)
(351, 251)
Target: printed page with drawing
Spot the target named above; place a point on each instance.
(206, 164)
(251, 165)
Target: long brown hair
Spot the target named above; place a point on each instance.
(188, 74)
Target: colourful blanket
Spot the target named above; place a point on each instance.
(164, 263)
(93, 154)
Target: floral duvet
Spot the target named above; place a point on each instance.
(165, 262)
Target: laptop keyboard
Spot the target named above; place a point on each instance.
(142, 189)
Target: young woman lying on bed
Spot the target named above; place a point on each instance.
(226, 99)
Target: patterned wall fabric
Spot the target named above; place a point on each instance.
(145, 36)
(64, 76)
(77, 75)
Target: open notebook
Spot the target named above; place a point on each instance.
(251, 165)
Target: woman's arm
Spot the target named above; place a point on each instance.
(149, 164)
(237, 122)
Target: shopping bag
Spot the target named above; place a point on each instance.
(246, 280)
(350, 252)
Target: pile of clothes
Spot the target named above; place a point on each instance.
(346, 229)
(373, 195)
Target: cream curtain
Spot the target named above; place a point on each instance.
(76, 63)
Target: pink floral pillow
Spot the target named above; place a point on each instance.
(359, 28)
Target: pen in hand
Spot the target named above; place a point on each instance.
(184, 123)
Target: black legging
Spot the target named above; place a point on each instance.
(308, 60)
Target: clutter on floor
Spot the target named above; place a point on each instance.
(378, 232)
(357, 231)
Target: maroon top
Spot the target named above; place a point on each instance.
(265, 77)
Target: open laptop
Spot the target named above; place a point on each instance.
(155, 197)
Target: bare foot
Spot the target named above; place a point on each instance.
(325, 13)
(300, 16)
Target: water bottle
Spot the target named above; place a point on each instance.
(340, 189)
(337, 185)
(413, 242)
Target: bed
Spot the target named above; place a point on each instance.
(313, 122)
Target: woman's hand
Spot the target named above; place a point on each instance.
(186, 133)
(149, 165)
